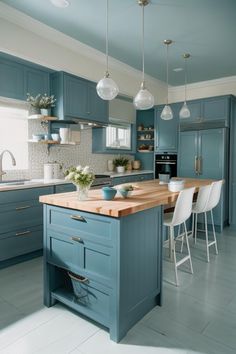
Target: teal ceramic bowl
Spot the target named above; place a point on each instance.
(124, 193)
(108, 193)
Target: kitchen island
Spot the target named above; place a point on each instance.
(113, 250)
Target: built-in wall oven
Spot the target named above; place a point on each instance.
(166, 164)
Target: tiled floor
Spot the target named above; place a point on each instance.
(197, 317)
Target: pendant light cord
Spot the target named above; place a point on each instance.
(185, 86)
(167, 72)
(143, 58)
(107, 59)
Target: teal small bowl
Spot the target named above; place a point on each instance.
(108, 193)
(124, 193)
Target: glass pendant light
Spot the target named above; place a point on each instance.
(107, 89)
(167, 113)
(144, 99)
(185, 112)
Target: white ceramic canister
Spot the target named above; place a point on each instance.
(48, 171)
(110, 166)
(56, 170)
(64, 135)
(176, 185)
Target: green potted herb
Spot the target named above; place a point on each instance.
(41, 104)
(121, 163)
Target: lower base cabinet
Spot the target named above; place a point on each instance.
(108, 269)
(132, 178)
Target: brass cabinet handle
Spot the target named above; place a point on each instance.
(78, 218)
(196, 164)
(77, 239)
(23, 233)
(200, 165)
(78, 278)
(23, 207)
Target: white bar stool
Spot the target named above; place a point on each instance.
(207, 200)
(182, 212)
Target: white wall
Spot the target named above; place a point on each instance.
(22, 36)
(224, 86)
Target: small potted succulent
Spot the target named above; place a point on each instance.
(82, 178)
(121, 163)
(41, 104)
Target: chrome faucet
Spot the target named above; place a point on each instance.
(1, 157)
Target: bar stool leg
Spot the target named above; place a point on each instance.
(193, 218)
(214, 232)
(206, 230)
(190, 259)
(174, 255)
(195, 233)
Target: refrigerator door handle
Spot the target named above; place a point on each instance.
(196, 165)
(200, 165)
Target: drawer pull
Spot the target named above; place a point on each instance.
(78, 218)
(78, 278)
(23, 233)
(23, 207)
(77, 239)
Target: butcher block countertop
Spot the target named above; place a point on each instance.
(146, 195)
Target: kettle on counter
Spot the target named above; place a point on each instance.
(51, 171)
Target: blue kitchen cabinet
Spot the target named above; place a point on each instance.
(21, 219)
(214, 111)
(97, 249)
(19, 77)
(65, 188)
(77, 99)
(187, 154)
(167, 131)
(36, 81)
(12, 79)
(132, 178)
(232, 166)
(203, 154)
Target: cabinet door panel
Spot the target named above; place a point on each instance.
(75, 91)
(97, 108)
(36, 81)
(211, 151)
(216, 108)
(188, 150)
(12, 80)
(166, 132)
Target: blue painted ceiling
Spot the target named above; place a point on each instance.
(204, 28)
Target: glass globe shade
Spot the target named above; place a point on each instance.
(167, 113)
(143, 100)
(184, 112)
(107, 89)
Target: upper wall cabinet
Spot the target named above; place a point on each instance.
(121, 110)
(18, 77)
(77, 98)
(12, 79)
(36, 81)
(167, 130)
(209, 110)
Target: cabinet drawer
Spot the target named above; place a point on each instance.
(80, 224)
(72, 253)
(21, 195)
(64, 188)
(95, 304)
(18, 216)
(20, 242)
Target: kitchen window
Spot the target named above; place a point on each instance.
(14, 134)
(118, 137)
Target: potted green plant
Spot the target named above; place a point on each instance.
(41, 104)
(82, 178)
(121, 163)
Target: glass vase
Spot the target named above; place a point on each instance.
(82, 192)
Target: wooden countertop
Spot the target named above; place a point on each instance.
(147, 195)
